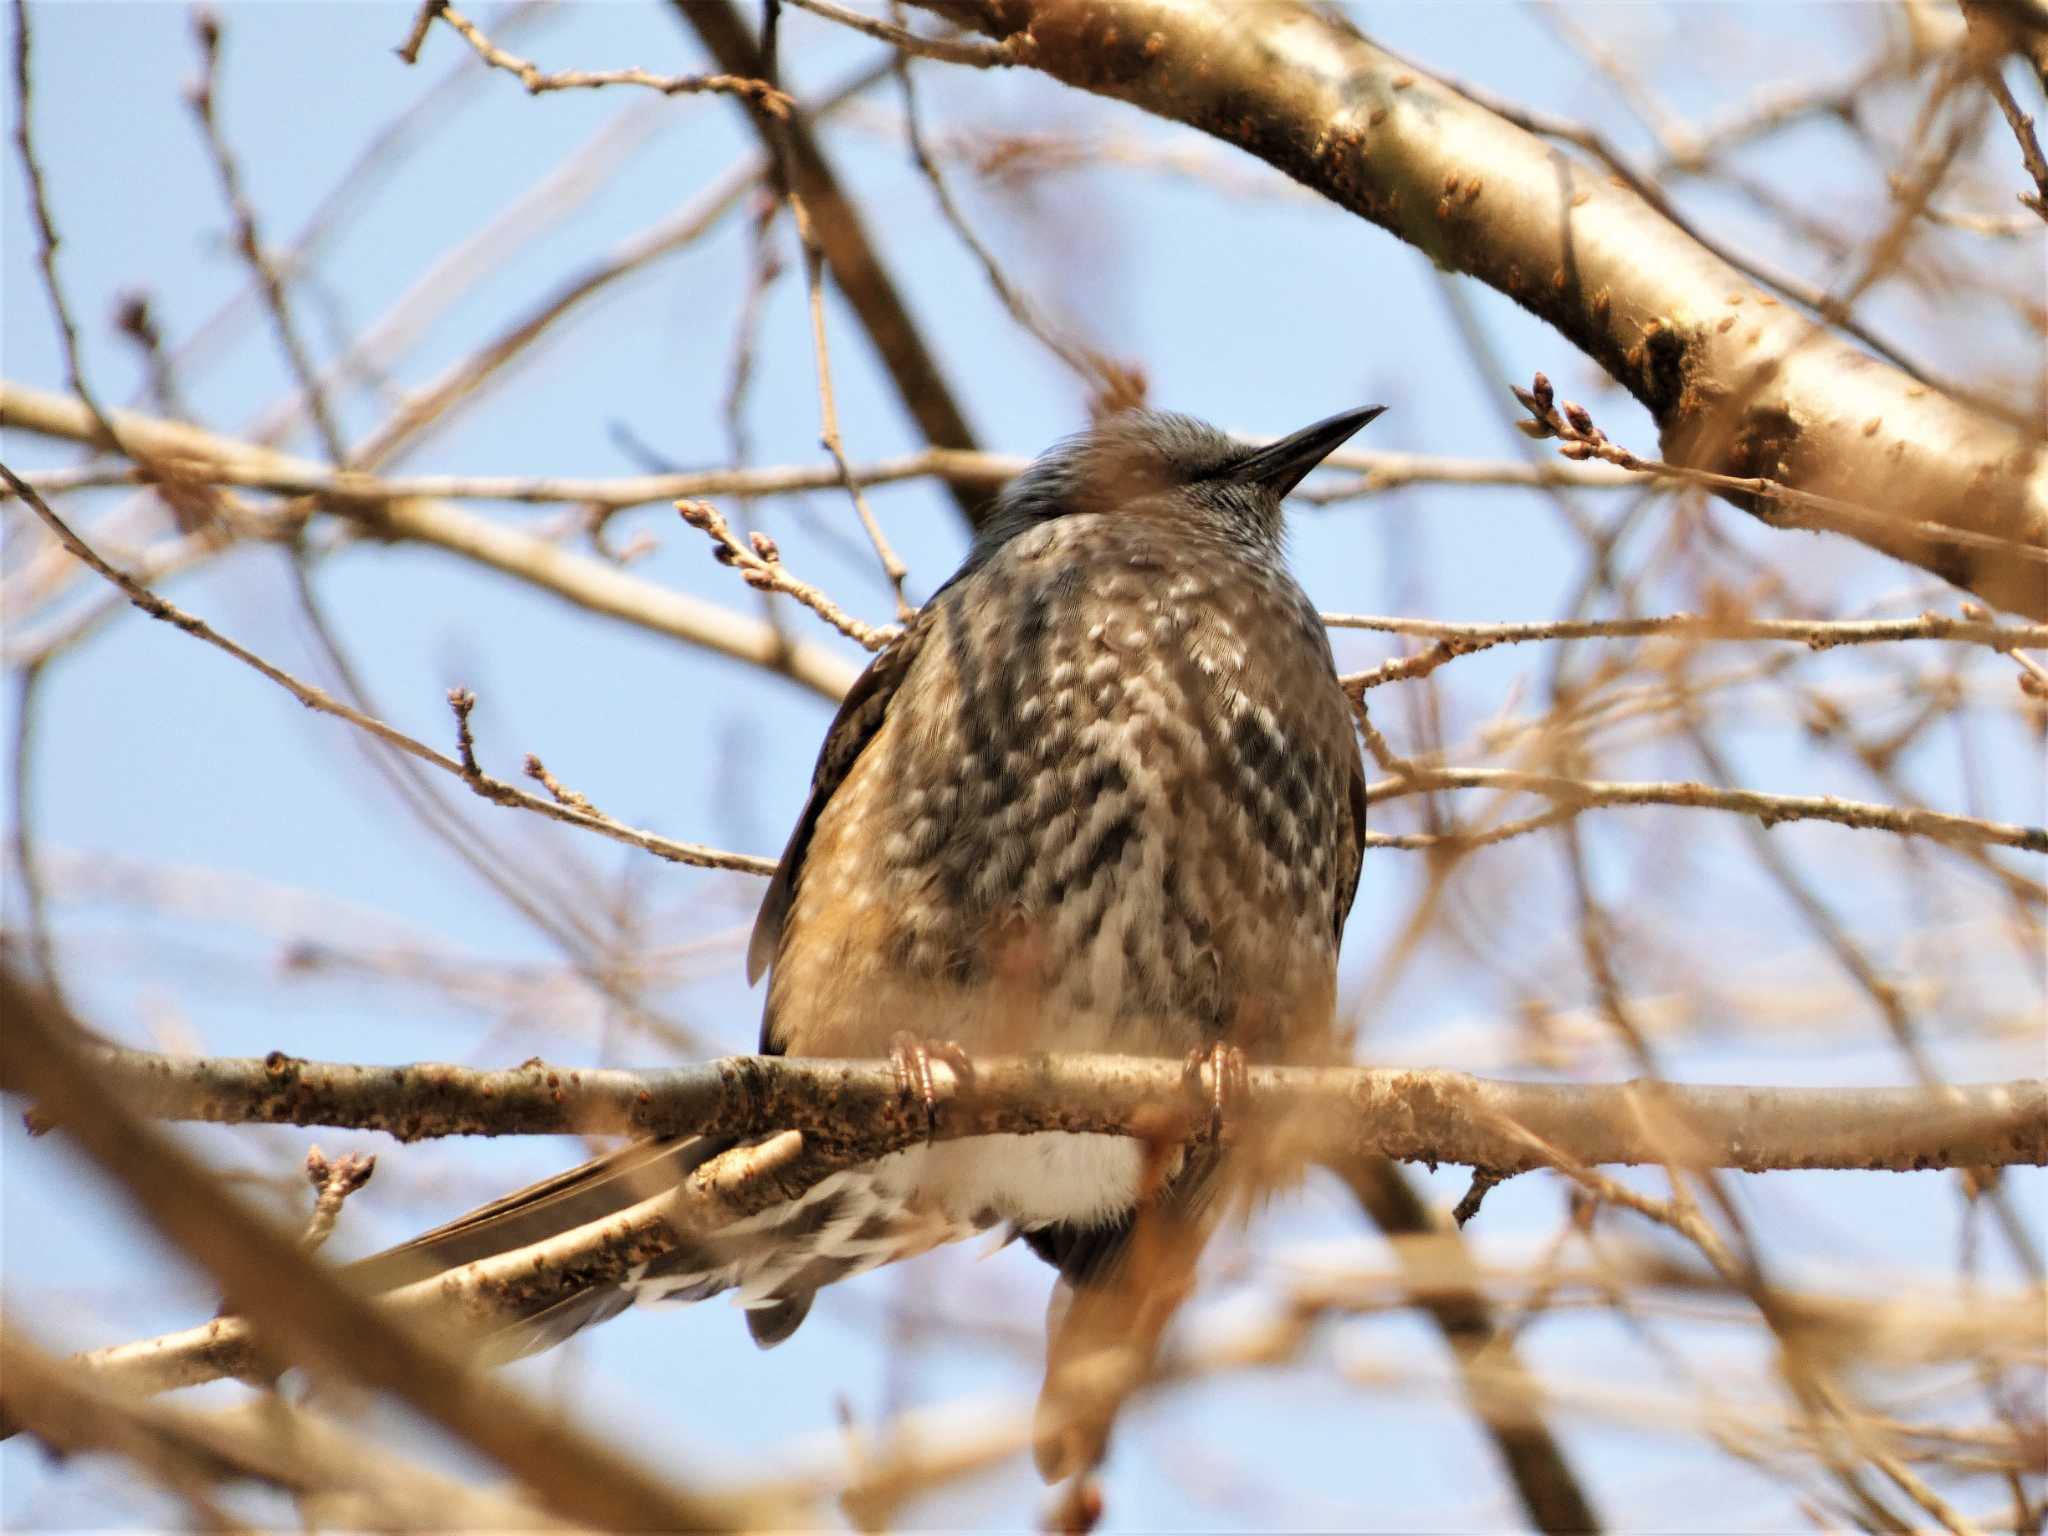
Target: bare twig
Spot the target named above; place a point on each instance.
(46, 232)
(1456, 639)
(333, 1182)
(314, 698)
(612, 494)
(857, 266)
(2033, 676)
(463, 703)
(828, 408)
(759, 563)
(1578, 794)
(1796, 508)
(416, 35)
(950, 50)
(41, 951)
(536, 81)
(2022, 126)
(249, 242)
(538, 772)
(965, 467)
(1107, 379)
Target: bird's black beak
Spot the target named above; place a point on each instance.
(1279, 467)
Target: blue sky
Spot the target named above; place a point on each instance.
(181, 798)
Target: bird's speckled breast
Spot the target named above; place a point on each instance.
(1105, 810)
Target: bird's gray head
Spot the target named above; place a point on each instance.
(1155, 463)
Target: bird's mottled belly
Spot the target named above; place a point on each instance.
(1090, 820)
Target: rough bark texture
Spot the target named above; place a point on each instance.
(1738, 383)
(852, 1110)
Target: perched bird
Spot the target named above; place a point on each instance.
(1103, 794)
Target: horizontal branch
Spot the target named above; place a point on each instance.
(1820, 634)
(1374, 472)
(799, 1119)
(1455, 639)
(612, 493)
(852, 1110)
(589, 583)
(1910, 821)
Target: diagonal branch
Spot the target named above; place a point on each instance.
(1738, 384)
(494, 790)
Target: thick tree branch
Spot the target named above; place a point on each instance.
(1739, 385)
(818, 1115)
(852, 1110)
(849, 1111)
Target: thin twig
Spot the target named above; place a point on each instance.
(463, 703)
(1459, 639)
(1974, 628)
(2022, 125)
(1115, 385)
(759, 92)
(2033, 676)
(612, 493)
(538, 772)
(1583, 440)
(759, 562)
(313, 698)
(828, 409)
(21, 807)
(857, 265)
(46, 234)
(967, 467)
(1579, 794)
(950, 50)
(200, 96)
(416, 35)
(595, 585)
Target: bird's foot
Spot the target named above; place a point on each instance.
(1227, 1090)
(912, 1056)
